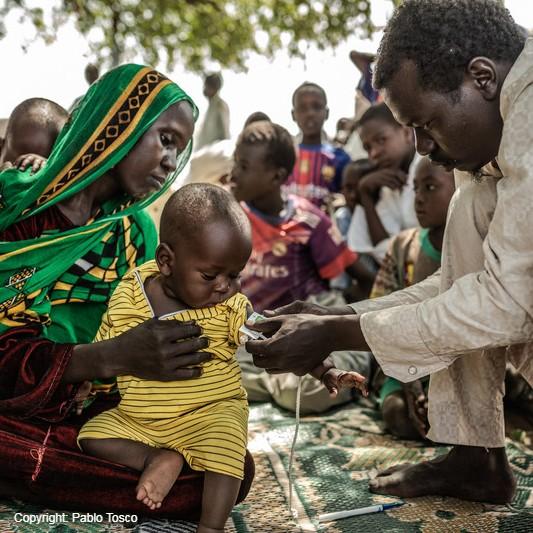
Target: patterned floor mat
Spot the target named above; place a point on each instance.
(334, 456)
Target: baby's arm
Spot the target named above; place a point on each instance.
(333, 379)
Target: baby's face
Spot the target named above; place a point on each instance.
(206, 271)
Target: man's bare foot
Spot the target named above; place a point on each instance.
(466, 472)
(161, 469)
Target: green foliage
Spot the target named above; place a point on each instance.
(197, 32)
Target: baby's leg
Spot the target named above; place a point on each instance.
(160, 467)
(218, 499)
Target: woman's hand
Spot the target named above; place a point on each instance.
(301, 342)
(82, 394)
(162, 350)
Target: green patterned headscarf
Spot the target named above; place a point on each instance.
(40, 277)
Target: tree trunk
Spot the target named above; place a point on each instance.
(115, 47)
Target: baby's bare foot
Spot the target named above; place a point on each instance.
(161, 470)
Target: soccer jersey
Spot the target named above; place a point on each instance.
(293, 255)
(317, 172)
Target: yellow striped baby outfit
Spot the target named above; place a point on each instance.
(205, 419)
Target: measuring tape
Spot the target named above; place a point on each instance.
(293, 511)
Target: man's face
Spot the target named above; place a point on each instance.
(463, 134)
(209, 90)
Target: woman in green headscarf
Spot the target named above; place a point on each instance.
(67, 236)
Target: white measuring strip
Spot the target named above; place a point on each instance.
(281, 474)
(293, 511)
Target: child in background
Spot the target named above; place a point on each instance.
(386, 197)
(318, 169)
(215, 126)
(344, 128)
(296, 250)
(31, 132)
(205, 243)
(91, 73)
(414, 255)
(342, 217)
(351, 175)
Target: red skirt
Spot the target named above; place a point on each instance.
(40, 462)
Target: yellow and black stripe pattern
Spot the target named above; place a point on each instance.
(114, 130)
(204, 419)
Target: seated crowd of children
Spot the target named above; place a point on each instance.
(311, 225)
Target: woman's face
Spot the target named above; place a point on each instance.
(146, 167)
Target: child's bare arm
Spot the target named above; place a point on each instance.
(369, 190)
(320, 370)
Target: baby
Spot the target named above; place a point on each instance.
(205, 242)
(31, 132)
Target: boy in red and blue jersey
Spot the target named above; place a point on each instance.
(294, 254)
(319, 165)
(296, 249)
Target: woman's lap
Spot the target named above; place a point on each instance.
(41, 463)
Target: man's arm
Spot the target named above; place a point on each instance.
(419, 292)
(481, 310)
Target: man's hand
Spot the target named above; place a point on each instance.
(370, 185)
(335, 379)
(300, 342)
